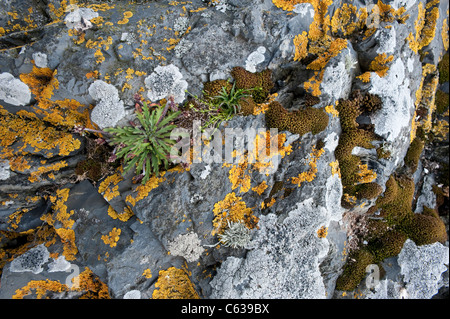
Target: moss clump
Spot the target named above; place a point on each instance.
(442, 102)
(260, 83)
(214, 88)
(386, 236)
(371, 103)
(390, 193)
(443, 67)
(247, 106)
(297, 122)
(413, 153)
(354, 270)
(426, 228)
(389, 245)
(368, 190)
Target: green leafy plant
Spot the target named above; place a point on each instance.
(229, 103)
(145, 145)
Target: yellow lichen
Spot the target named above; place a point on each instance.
(147, 273)
(174, 283)
(301, 46)
(112, 238)
(378, 65)
(365, 77)
(68, 239)
(365, 175)
(335, 168)
(424, 27)
(260, 188)
(330, 109)
(232, 209)
(309, 175)
(322, 232)
(145, 189)
(124, 216)
(109, 188)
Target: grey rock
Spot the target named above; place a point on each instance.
(14, 91)
(422, 267)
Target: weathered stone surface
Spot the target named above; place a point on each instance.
(100, 54)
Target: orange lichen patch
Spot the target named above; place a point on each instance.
(21, 136)
(18, 164)
(336, 46)
(301, 46)
(92, 75)
(60, 208)
(322, 232)
(239, 178)
(268, 204)
(335, 168)
(143, 190)
(330, 109)
(99, 45)
(42, 82)
(444, 33)
(124, 216)
(349, 199)
(86, 282)
(14, 218)
(425, 100)
(263, 107)
(345, 19)
(424, 27)
(48, 169)
(147, 273)
(41, 287)
(126, 16)
(68, 240)
(109, 188)
(365, 175)
(232, 209)
(260, 188)
(112, 238)
(365, 77)
(174, 283)
(92, 286)
(309, 175)
(265, 148)
(378, 65)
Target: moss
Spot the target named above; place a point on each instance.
(368, 190)
(413, 153)
(354, 270)
(371, 103)
(247, 106)
(389, 245)
(297, 122)
(214, 88)
(442, 102)
(425, 229)
(443, 67)
(390, 193)
(260, 83)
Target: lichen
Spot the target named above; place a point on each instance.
(112, 238)
(309, 175)
(232, 209)
(174, 283)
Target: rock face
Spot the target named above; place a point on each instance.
(364, 187)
